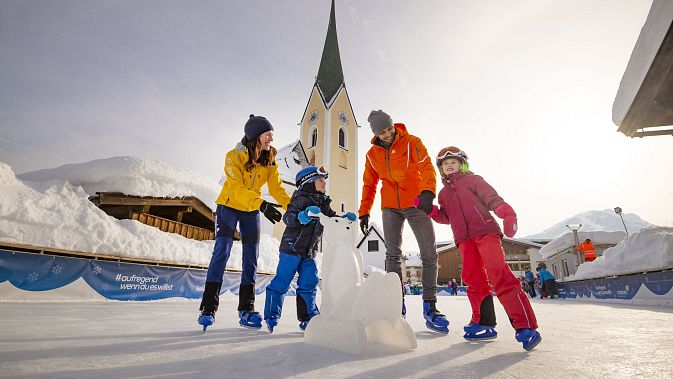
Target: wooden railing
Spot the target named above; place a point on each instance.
(170, 226)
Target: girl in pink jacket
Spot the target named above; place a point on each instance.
(466, 202)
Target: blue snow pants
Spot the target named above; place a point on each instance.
(307, 285)
(226, 220)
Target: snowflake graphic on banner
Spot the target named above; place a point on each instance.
(33, 276)
(182, 288)
(97, 270)
(56, 269)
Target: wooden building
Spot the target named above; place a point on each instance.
(187, 216)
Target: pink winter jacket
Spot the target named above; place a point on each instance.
(465, 202)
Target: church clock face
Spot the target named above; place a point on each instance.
(343, 118)
(313, 118)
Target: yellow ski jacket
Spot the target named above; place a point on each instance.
(243, 189)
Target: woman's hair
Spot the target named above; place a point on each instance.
(265, 158)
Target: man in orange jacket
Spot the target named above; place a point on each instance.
(588, 249)
(401, 162)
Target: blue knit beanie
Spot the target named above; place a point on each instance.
(255, 126)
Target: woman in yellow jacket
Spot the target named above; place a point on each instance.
(247, 168)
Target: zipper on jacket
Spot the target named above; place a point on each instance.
(460, 205)
(397, 185)
(480, 216)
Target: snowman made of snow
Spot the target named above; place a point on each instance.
(355, 311)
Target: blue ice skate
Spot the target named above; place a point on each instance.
(250, 319)
(404, 309)
(528, 337)
(206, 319)
(477, 332)
(271, 323)
(303, 325)
(433, 319)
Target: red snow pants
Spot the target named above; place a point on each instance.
(484, 259)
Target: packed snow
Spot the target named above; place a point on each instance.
(568, 240)
(56, 213)
(650, 249)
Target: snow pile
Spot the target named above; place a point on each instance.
(132, 176)
(58, 214)
(606, 220)
(568, 240)
(650, 249)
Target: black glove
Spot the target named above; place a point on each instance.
(270, 211)
(425, 201)
(364, 224)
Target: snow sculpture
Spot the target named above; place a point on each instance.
(354, 311)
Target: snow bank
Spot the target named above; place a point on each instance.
(58, 214)
(132, 176)
(648, 250)
(568, 240)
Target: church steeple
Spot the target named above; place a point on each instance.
(330, 74)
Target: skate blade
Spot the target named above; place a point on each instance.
(535, 343)
(444, 330)
(250, 327)
(480, 339)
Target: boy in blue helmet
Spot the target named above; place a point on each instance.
(299, 246)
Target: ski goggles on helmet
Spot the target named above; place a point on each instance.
(312, 176)
(451, 152)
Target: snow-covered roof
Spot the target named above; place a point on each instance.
(290, 159)
(568, 240)
(131, 176)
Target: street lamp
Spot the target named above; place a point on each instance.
(618, 210)
(575, 228)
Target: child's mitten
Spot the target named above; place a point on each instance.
(505, 212)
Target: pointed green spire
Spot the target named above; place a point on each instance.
(330, 74)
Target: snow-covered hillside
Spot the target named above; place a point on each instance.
(594, 221)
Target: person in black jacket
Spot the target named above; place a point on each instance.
(299, 246)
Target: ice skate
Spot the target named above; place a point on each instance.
(477, 332)
(303, 325)
(271, 323)
(404, 309)
(206, 319)
(250, 319)
(528, 337)
(433, 319)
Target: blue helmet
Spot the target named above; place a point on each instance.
(309, 175)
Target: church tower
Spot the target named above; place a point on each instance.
(328, 126)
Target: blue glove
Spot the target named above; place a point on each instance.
(350, 216)
(303, 216)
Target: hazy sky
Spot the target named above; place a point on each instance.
(524, 87)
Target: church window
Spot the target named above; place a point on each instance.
(313, 137)
(342, 138)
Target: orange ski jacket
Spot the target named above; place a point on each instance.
(405, 169)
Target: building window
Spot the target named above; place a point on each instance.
(313, 137)
(373, 246)
(554, 269)
(343, 140)
(343, 207)
(566, 271)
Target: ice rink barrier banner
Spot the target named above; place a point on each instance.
(620, 287)
(113, 280)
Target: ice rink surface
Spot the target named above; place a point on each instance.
(162, 340)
